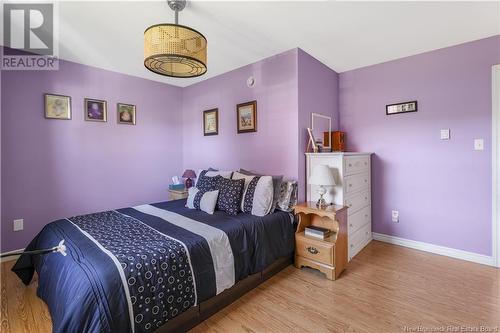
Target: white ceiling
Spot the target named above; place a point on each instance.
(343, 35)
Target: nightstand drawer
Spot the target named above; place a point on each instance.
(316, 250)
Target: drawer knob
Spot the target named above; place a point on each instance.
(350, 164)
(312, 250)
(350, 224)
(366, 198)
(350, 205)
(352, 245)
(350, 185)
(366, 215)
(366, 163)
(366, 180)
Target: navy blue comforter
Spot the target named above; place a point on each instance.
(133, 269)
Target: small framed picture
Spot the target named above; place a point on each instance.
(57, 106)
(125, 113)
(246, 114)
(401, 108)
(95, 110)
(211, 122)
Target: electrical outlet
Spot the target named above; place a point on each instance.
(395, 216)
(18, 225)
(445, 134)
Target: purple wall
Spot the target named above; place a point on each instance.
(272, 149)
(289, 86)
(57, 168)
(318, 92)
(442, 189)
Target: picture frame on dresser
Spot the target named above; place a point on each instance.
(352, 172)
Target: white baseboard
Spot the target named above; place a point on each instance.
(437, 249)
(12, 257)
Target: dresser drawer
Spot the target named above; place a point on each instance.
(359, 239)
(315, 250)
(355, 183)
(356, 164)
(358, 219)
(357, 201)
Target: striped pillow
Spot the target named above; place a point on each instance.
(258, 194)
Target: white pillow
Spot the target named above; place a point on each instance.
(225, 174)
(258, 194)
(206, 203)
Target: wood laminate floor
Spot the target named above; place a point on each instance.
(385, 288)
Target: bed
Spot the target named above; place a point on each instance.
(159, 267)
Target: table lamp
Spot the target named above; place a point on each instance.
(322, 176)
(188, 174)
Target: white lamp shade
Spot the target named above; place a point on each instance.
(322, 175)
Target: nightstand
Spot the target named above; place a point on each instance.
(330, 255)
(177, 194)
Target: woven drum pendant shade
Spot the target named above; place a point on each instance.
(175, 50)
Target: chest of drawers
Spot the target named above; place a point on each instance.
(352, 172)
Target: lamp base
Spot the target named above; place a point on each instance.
(189, 183)
(321, 201)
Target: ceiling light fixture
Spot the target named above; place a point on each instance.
(175, 50)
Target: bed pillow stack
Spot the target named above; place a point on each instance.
(258, 193)
(229, 191)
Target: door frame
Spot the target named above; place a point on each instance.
(495, 150)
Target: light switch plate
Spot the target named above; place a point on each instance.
(395, 216)
(478, 144)
(18, 225)
(445, 134)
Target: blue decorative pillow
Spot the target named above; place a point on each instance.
(206, 183)
(230, 192)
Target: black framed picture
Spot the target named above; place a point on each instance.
(211, 122)
(401, 107)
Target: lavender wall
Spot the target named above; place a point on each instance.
(272, 149)
(442, 189)
(289, 86)
(317, 92)
(57, 168)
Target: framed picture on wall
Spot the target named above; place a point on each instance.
(246, 116)
(401, 108)
(211, 122)
(57, 106)
(95, 110)
(125, 113)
